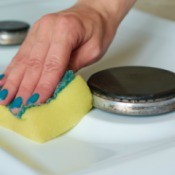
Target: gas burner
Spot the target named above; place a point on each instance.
(13, 32)
(134, 90)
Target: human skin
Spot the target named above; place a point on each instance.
(70, 39)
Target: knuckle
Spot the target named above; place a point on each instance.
(64, 19)
(34, 63)
(44, 22)
(45, 19)
(66, 24)
(96, 51)
(67, 21)
(53, 64)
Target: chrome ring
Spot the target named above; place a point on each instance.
(133, 107)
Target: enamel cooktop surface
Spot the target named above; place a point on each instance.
(102, 143)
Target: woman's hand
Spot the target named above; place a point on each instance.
(70, 39)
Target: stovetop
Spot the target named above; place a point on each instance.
(102, 143)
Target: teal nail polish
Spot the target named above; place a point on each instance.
(3, 94)
(1, 76)
(16, 103)
(33, 99)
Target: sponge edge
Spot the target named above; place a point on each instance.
(47, 121)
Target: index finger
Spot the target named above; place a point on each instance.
(56, 62)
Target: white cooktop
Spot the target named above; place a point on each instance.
(102, 143)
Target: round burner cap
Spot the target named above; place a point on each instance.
(134, 90)
(13, 32)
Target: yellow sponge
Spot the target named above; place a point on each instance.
(47, 121)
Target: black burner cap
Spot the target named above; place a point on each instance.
(134, 83)
(13, 26)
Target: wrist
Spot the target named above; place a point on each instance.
(113, 10)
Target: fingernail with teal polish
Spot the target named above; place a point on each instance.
(33, 99)
(3, 94)
(2, 76)
(17, 103)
